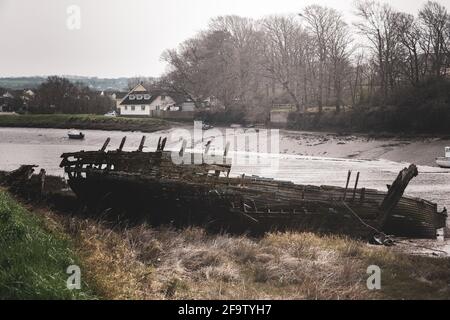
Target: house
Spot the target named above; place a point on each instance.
(161, 104)
(8, 103)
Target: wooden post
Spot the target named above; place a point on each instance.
(362, 195)
(158, 147)
(163, 144)
(105, 144)
(208, 144)
(395, 193)
(356, 185)
(122, 143)
(141, 145)
(346, 185)
(183, 147)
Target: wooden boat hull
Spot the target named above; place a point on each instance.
(76, 136)
(238, 207)
(150, 186)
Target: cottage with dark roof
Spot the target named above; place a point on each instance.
(141, 102)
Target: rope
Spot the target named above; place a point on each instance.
(361, 220)
(388, 237)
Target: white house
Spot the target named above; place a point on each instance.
(141, 102)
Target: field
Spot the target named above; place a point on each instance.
(83, 121)
(142, 262)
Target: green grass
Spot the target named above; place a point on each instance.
(83, 121)
(33, 261)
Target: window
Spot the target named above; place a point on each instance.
(133, 108)
(143, 108)
(147, 96)
(132, 96)
(139, 96)
(163, 97)
(126, 107)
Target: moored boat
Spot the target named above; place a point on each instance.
(73, 134)
(444, 162)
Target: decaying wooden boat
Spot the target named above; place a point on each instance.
(149, 185)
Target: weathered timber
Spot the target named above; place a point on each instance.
(122, 143)
(150, 185)
(395, 192)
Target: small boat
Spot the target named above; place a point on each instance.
(76, 135)
(444, 162)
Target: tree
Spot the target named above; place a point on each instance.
(284, 53)
(435, 20)
(379, 26)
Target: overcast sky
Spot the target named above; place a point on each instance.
(122, 37)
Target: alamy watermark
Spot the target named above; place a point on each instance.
(74, 280)
(73, 21)
(374, 280)
(240, 146)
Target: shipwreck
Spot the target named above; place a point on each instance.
(150, 186)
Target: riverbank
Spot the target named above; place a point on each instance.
(84, 122)
(33, 259)
(419, 149)
(143, 262)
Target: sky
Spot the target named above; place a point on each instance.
(115, 38)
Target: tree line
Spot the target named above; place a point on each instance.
(60, 95)
(311, 59)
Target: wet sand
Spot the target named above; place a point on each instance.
(418, 150)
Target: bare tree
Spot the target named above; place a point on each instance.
(284, 53)
(435, 18)
(379, 26)
(410, 36)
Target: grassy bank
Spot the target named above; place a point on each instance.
(33, 260)
(161, 263)
(80, 121)
(143, 262)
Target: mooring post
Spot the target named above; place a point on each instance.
(346, 185)
(356, 185)
(141, 145)
(122, 143)
(105, 144)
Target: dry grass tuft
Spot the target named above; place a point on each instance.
(162, 263)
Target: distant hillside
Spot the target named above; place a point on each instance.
(100, 84)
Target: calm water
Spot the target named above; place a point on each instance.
(43, 147)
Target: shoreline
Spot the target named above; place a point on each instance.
(85, 122)
(421, 149)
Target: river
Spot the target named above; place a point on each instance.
(43, 147)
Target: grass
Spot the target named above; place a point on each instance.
(33, 261)
(83, 121)
(143, 262)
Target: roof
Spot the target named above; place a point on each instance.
(142, 96)
(139, 99)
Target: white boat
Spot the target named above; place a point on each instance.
(444, 162)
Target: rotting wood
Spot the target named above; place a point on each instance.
(206, 191)
(395, 192)
(122, 144)
(105, 144)
(141, 145)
